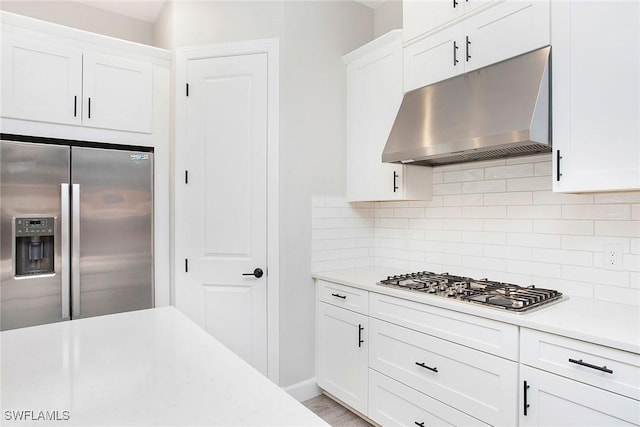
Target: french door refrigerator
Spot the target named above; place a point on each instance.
(76, 232)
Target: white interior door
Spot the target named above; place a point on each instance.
(222, 219)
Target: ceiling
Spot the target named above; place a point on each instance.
(149, 10)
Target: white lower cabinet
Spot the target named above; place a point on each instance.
(392, 403)
(480, 384)
(342, 354)
(552, 400)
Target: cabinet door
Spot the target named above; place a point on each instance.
(341, 354)
(510, 28)
(117, 93)
(434, 58)
(420, 17)
(552, 400)
(374, 95)
(596, 96)
(41, 79)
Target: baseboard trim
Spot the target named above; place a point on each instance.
(304, 390)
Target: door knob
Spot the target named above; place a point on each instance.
(257, 273)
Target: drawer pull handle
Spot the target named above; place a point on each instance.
(524, 393)
(339, 296)
(419, 424)
(589, 365)
(360, 340)
(422, 365)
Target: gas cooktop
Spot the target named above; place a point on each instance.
(505, 296)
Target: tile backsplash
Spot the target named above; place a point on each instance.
(497, 219)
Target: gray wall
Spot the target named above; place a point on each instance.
(387, 17)
(83, 17)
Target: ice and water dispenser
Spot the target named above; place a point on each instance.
(34, 246)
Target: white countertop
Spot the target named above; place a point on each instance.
(609, 324)
(149, 367)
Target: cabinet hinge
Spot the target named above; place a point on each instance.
(187, 89)
(186, 265)
(186, 177)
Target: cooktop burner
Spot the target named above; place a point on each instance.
(499, 295)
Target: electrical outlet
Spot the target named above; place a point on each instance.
(612, 257)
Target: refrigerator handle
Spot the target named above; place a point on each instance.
(75, 250)
(64, 247)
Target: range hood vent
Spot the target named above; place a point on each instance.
(498, 111)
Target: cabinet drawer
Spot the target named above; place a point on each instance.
(394, 404)
(553, 353)
(482, 334)
(343, 296)
(485, 386)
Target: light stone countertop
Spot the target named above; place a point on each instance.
(148, 367)
(605, 323)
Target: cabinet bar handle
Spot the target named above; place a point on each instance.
(422, 365)
(589, 365)
(467, 49)
(419, 424)
(360, 340)
(75, 106)
(524, 394)
(339, 296)
(395, 181)
(89, 109)
(455, 53)
(558, 157)
(455, 3)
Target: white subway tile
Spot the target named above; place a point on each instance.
(483, 164)
(538, 183)
(394, 204)
(384, 213)
(462, 248)
(630, 262)
(354, 253)
(535, 212)
(486, 237)
(509, 225)
(604, 212)
(444, 189)
(463, 200)
(444, 212)
(401, 233)
(492, 212)
(317, 245)
(462, 224)
(434, 202)
(622, 197)
(593, 243)
(392, 263)
(426, 224)
(415, 234)
(437, 177)
(534, 240)
(596, 275)
(390, 243)
(542, 169)
(484, 263)
(392, 222)
(383, 233)
(447, 168)
(332, 265)
(559, 256)
(509, 199)
(408, 213)
(635, 245)
(367, 205)
(443, 259)
(358, 232)
(617, 228)
(357, 213)
(635, 212)
(534, 268)
(365, 242)
(534, 158)
(365, 262)
(383, 252)
(326, 213)
(550, 198)
(336, 202)
(508, 252)
(509, 171)
(481, 187)
(628, 296)
(426, 245)
(463, 175)
(409, 255)
(339, 243)
(634, 280)
(562, 226)
(442, 235)
(317, 201)
(326, 255)
(325, 233)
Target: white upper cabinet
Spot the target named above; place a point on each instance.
(50, 79)
(596, 96)
(488, 35)
(374, 95)
(423, 16)
(41, 80)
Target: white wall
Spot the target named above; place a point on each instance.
(496, 219)
(387, 17)
(83, 17)
(313, 37)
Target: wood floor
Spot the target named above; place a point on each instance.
(333, 413)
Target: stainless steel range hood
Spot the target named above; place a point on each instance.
(498, 111)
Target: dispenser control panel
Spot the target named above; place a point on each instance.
(34, 226)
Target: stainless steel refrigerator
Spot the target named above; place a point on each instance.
(76, 236)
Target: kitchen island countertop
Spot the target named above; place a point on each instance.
(148, 367)
(605, 323)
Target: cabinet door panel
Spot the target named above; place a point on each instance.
(341, 359)
(41, 80)
(508, 29)
(596, 95)
(556, 401)
(420, 17)
(117, 93)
